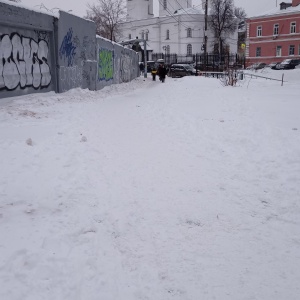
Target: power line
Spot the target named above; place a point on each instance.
(171, 14)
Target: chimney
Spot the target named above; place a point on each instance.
(295, 2)
(284, 5)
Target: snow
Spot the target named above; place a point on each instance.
(182, 190)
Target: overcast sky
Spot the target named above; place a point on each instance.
(252, 7)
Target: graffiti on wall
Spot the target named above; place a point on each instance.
(105, 65)
(23, 62)
(67, 50)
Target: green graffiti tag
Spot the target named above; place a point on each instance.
(105, 65)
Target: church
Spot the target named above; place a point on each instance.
(178, 28)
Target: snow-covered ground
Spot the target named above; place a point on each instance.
(147, 191)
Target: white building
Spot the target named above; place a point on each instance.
(179, 28)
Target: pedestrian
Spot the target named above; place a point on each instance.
(159, 71)
(142, 68)
(162, 73)
(153, 73)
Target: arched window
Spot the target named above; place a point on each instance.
(189, 49)
(143, 35)
(165, 4)
(168, 34)
(189, 32)
(147, 36)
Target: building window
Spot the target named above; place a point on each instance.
(259, 31)
(278, 51)
(189, 32)
(292, 50)
(168, 49)
(129, 36)
(258, 51)
(276, 29)
(168, 34)
(147, 36)
(293, 27)
(189, 49)
(143, 35)
(165, 4)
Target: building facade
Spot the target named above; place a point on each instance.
(274, 36)
(179, 28)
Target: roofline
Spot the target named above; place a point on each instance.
(273, 15)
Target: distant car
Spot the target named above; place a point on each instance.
(273, 65)
(210, 66)
(288, 64)
(257, 66)
(260, 66)
(180, 70)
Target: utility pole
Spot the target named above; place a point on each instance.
(205, 35)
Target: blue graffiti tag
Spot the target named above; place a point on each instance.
(67, 48)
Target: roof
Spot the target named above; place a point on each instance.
(278, 11)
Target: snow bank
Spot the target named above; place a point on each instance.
(182, 190)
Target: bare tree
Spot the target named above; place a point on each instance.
(222, 21)
(240, 14)
(107, 14)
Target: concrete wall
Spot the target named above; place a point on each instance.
(42, 52)
(27, 59)
(115, 64)
(76, 52)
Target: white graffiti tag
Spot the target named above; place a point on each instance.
(23, 62)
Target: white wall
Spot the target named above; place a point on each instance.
(139, 9)
(172, 6)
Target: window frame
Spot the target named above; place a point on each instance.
(276, 29)
(258, 52)
(167, 34)
(259, 30)
(189, 49)
(290, 48)
(165, 5)
(189, 32)
(278, 53)
(293, 27)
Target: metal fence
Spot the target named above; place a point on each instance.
(212, 62)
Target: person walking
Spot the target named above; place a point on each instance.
(153, 73)
(142, 68)
(159, 71)
(162, 73)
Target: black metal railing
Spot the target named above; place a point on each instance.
(212, 62)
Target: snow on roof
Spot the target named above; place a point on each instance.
(278, 11)
(40, 9)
